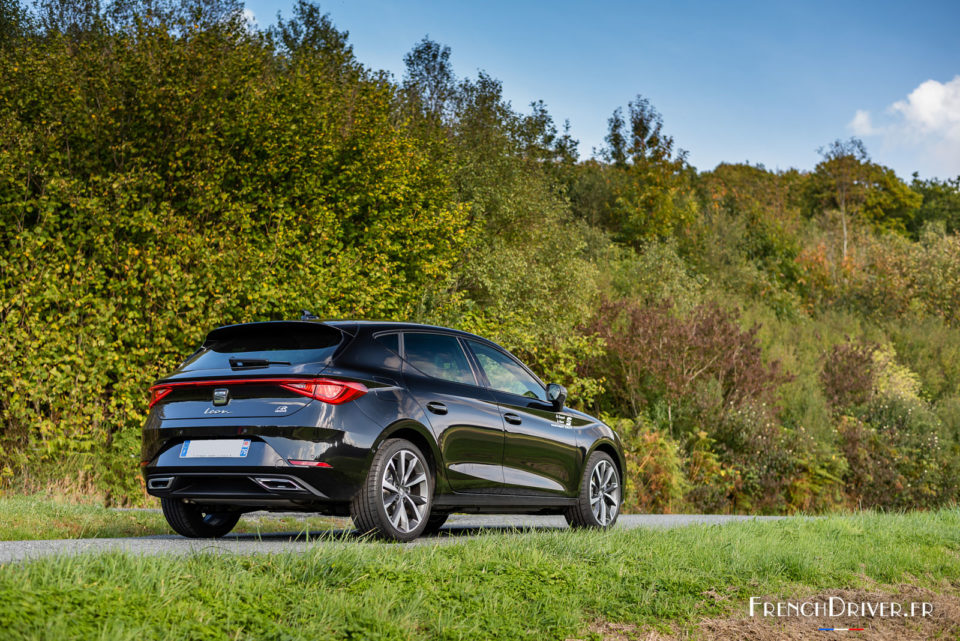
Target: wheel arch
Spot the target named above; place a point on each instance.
(614, 452)
(423, 438)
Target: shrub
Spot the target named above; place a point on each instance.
(655, 477)
(895, 455)
(654, 354)
(848, 373)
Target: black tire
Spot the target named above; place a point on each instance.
(585, 514)
(369, 507)
(191, 521)
(435, 522)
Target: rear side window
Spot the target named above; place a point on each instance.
(265, 345)
(439, 356)
(390, 341)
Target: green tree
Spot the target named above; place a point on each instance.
(644, 187)
(841, 180)
(941, 204)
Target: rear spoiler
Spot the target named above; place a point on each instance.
(304, 332)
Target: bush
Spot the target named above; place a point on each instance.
(655, 355)
(154, 186)
(848, 373)
(895, 455)
(655, 477)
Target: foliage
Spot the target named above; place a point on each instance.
(644, 192)
(780, 340)
(896, 457)
(183, 183)
(657, 482)
(655, 355)
(940, 204)
(848, 373)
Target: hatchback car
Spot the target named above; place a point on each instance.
(394, 424)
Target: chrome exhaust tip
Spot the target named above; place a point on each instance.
(160, 483)
(278, 484)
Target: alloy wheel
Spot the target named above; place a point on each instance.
(405, 491)
(604, 492)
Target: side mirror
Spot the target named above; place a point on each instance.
(557, 395)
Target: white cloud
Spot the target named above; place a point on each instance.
(862, 124)
(933, 107)
(926, 122)
(250, 17)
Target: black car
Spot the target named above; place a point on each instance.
(395, 424)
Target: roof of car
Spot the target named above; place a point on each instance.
(375, 326)
(352, 326)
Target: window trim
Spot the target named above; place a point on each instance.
(474, 369)
(510, 356)
(399, 334)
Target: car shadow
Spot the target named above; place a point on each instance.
(453, 532)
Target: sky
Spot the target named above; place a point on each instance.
(761, 82)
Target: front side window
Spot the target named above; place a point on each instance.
(505, 374)
(439, 356)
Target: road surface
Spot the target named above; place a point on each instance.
(456, 529)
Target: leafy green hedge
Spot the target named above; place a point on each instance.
(166, 167)
(154, 187)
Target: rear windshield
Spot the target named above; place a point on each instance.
(261, 345)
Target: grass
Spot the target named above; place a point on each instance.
(33, 518)
(540, 585)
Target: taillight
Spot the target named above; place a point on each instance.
(157, 392)
(327, 390)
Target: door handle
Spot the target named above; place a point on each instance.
(512, 418)
(437, 408)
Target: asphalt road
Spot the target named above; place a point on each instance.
(456, 529)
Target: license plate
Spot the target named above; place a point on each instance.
(221, 448)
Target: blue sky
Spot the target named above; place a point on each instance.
(765, 82)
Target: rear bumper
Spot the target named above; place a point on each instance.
(264, 477)
(253, 489)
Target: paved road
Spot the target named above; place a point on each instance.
(457, 528)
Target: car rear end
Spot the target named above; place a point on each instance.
(249, 421)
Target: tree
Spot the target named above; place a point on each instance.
(14, 21)
(647, 185)
(430, 76)
(842, 172)
(644, 142)
(941, 204)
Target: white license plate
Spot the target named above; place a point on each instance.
(221, 448)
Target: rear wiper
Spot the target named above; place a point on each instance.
(244, 363)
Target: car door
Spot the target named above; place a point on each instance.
(540, 454)
(463, 414)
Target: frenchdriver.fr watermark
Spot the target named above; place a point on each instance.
(836, 606)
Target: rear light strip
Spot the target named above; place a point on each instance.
(310, 463)
(327, 390)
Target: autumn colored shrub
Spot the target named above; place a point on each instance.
(654, 354)
(713, 485)
(848, 373)
(655, 480)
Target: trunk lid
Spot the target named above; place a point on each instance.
(240, 371)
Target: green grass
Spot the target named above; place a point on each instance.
(534, 585)
(33, 518)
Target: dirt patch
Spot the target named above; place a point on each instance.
(943, 622)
